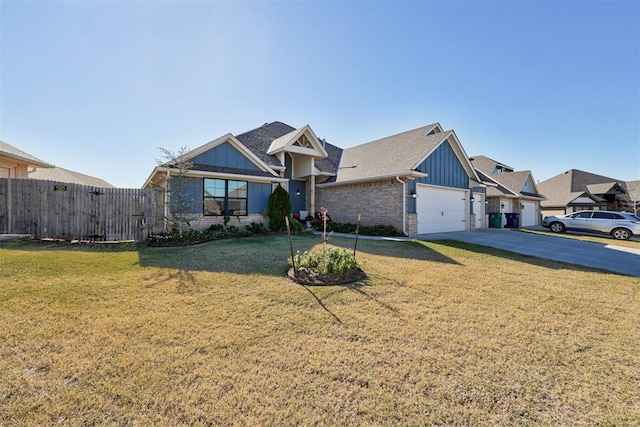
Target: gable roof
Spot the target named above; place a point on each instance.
(509, 183)
(14, 153)
(396, 155)
(69, 176)
(261, 139)
(289, 142)
(488, 165)
(563, 188)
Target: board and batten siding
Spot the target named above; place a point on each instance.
(443, 169)
(225, 155)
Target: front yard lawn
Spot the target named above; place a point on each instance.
(214, 334)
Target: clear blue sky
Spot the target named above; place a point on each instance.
(546, 86)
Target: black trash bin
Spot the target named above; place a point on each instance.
(495, 220)
(512, 220)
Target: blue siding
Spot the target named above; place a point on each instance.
(258, 197)
(444, 168)
(297, 202)
(225, 155)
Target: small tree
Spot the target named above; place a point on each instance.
(278, 207)
(180, 204)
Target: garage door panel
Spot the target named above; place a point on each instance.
(440, 209)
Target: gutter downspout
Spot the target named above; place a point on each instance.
(404, 205)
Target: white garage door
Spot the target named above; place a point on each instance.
(529, 214)
(440, 209)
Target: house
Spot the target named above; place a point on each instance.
(15, 163)
(59, 174)
(509, 191)
(576, 190)
(419, 181)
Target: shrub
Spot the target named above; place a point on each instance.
(373, 230)
(278, 207)
(326, 260)
(257, 228)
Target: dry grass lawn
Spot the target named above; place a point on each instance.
(442, 333)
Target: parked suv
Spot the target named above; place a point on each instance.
(620, 225)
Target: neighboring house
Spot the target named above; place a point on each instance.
(633, 191)
(64, 175)
(576, 190)
(509, 191)
(15, 163)
(418, 181)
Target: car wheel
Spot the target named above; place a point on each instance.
(557, 227)
(621, 234)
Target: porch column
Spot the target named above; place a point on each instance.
(312, 195)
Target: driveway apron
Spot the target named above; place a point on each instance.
(609, 257)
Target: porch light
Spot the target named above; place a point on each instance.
(522, 206)
(298, 192)
(413, 194)
(471, 198)
(502, 205)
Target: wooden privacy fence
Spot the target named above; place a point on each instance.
(49, 209)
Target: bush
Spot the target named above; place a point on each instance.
(327, 260)
(295, 225)
(374, 230)
(279, 207)
(257, 228)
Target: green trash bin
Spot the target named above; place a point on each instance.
(495, 220)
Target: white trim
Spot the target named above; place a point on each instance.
(289, 139)
(407, 174)
(239, 177)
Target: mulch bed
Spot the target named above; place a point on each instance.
(310, 276)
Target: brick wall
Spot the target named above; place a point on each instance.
(380, 203)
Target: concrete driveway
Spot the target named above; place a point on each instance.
(611, 257)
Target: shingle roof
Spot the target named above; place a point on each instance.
(388, 156)
(486, 165)
(65, 175)
(259, 140)
(9, 150)
(565, 187)
(633, 188)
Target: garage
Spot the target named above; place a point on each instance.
(441, 209)
(529, 216)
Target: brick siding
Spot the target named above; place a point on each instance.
(379, 202)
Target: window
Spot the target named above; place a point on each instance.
(225, 197)
(603, 215)
(585, 214)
